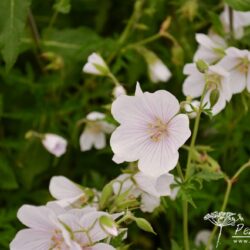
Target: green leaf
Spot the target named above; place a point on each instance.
(13, 15)
(241, 5)
(175, 246)
(7, 176)
(106, 194)
(144, 225)
(62, 6)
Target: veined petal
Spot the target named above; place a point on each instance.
(36, 217)
(138, 90)
(62, 188)
(194, 85)
(149, 202)
(163, 183)
(101, 246)
(29, 239)
(205, 41)
(238, 81)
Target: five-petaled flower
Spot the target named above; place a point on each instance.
(151, 130)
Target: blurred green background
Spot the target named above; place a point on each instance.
(45, 95)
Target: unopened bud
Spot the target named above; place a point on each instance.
(201, 66)
(214, 97)
(108, 225)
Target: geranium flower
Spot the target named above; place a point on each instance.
(151, 130)
(215, 79)
(94, 132)
(55, 144)
(96, 65)
(237, 62)
(241, 19)
(211, 48)
(149, 189)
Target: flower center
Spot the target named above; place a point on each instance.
(157, 130)
(243, 66)
(57, 239)
(213, 81)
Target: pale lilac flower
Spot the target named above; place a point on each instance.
(94, 132)
(55, 144)
(202, 237)
(158, 71)
(237, 62)
(147, 188)
(151, 130)
(96, 65)
(211, 48)
(44, 232)
(216, 78)
(119, 90)
(240, 20)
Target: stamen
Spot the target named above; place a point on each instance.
(157, 130)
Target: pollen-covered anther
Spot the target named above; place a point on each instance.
(157, 130)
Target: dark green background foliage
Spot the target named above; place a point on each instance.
(35, 95)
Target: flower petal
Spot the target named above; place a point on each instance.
(86, 140)
(102, 246)
(149, 202)
(100, 140)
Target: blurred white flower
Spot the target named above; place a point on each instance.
(216, 79)
(94, 132)
(149, 189)
(119, 90)
(240, 20)
(211, 48)
(158, 71)
(202, 237)
(96, 65)
(151, 130)
(55, 144)
(237, 62)
(191, 108)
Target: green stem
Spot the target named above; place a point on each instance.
(241, 169)
(194, 135)
(180, 172)
(185, 224)
(53, 19)
(114, 79)
(231, 23)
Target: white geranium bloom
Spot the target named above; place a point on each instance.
(66, 192)
(158, 71)
(119, 90)
(151, 130)
(149, 189)
(94, 132)
(44, 232)
(211, 48)
(191, 108)
(96, 65)
(55, 144)
(237, 62)
(216, 78)
(241, 19)
(202, 237)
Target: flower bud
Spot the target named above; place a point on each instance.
(214, 97)
(108, 225)
(119, 90)
(201, 66)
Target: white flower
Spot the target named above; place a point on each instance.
(211, 48)
(44, 231)
(191, 108)
(119, 90)
(151, 130)
(158, 71)
(240, 20)
(55, 144)
(216, 78)
(94, 132)
(202, 238)
(237, 62)
(149, 189)
(96, 65)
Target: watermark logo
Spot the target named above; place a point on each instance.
(224, 219)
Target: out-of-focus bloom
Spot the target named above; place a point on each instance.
(158, 71)
(149, 189)
(96, 65)
(215, 79)
(202, 237)
(94, 132)
(211, 48)
(237, 62)
(191, 108)
(119, 90)
(151, 130)
(240, 20)
(55, 144)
